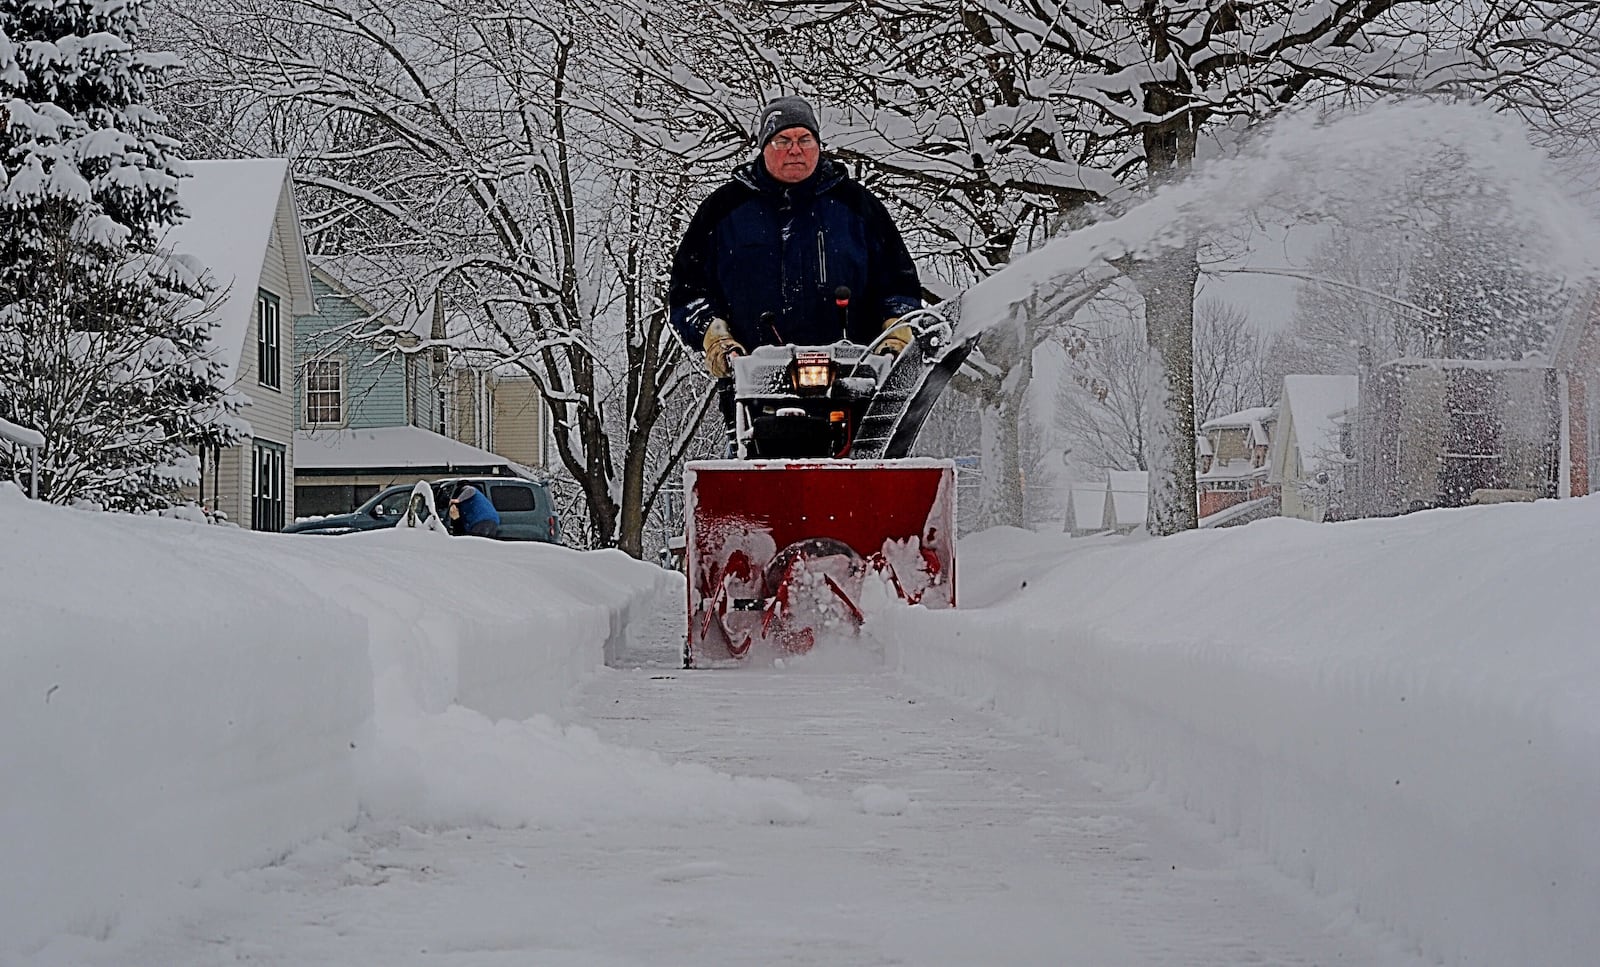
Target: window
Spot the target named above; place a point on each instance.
(392, 504)
(267, 341)
(512, 497)
(322, 500)
(324, 392)
(267, 486)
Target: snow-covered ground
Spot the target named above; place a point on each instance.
(1284, 743)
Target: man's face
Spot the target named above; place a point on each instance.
(792, 155)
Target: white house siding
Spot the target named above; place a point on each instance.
(1290, 502)
(271, 413)
(232, 485)
(1286, 469)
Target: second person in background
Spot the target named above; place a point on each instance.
(472, 513)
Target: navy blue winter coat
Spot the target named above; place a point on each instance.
(477, 509)
(757, 246)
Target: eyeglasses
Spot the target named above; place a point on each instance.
(805, 141)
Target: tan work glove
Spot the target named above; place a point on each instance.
(720, 348)
(897, 339)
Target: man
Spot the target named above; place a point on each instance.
(767, 256)
(471, 511)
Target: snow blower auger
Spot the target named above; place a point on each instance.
(821, 496)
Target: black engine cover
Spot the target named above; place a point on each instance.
(793, 436)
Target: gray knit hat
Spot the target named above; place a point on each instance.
(783, 113)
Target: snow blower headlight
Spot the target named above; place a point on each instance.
(812, 373)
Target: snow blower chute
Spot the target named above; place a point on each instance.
(821, 496)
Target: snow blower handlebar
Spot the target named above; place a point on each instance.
(926, 325)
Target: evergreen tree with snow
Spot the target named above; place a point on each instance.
(103, 334)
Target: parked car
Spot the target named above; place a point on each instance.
(527, 511)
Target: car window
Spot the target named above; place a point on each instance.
(390, 504)
(512, 497)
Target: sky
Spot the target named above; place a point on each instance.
(1369, 742)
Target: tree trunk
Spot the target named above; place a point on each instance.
(1002, 401)
(1167, 285)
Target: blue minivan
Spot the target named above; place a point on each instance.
(527, 510)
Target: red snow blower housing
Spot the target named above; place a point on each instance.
(821, 497)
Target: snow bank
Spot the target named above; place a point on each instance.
(177, 700)
(152, 729)
(1404, 714)
(503, 628)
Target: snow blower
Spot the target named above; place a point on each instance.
(820, 496)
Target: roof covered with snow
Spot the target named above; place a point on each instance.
(1252, 419)
(232, 207)
(1086, 506)
(1242, 419)
(1130, 496)
(395, 447)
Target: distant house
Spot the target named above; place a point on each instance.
(1456, 431)
(1116, 505)
(1450, 428)
(1128, 500)
(1086, 508)
(1235, 468)
(1307, 458)
(244, 227)
(498, 411)
(345, 379)
(373, 414)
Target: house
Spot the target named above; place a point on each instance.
(1308, 457)
(1450, 428)
(1456, 431)
(1233, 460)
(243, 225)
(1127, 500)
(1116, 505)
(1086, 508)
(345, 380)
(500, 410)
(373, 414)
